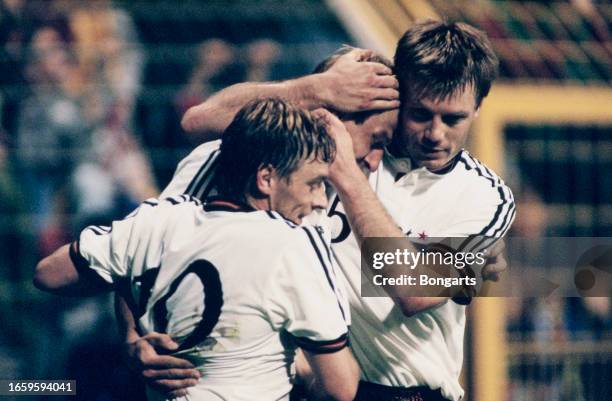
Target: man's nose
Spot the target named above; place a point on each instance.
(436, 129)
(372, 159)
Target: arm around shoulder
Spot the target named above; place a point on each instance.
(58, 274)
(349, 85)
(56, 271)
(209, 119)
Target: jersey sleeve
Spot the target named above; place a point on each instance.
(130, 245)
(304, 296)
(478, 228)
(487, 220)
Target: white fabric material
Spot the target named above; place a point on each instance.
(425, 349)
(192, 167)
(272, 281)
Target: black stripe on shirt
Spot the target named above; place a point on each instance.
(464, 160)
(184, 198)
(207, 186)
(506, 199)
(277, 216)
(484, 169)
(466, 242)
(488, 170)
(500, 215)
(173, 201)
(202, 175)
(322, 347)
(486, 241)
(510, 219)
(320, 256)
(480, 243)
(506, 221)
(325, 268)
(100, 230)
(320, 234)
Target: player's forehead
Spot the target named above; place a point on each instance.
(385, 118)
(310, 169)
(461, 100)
(375, 125)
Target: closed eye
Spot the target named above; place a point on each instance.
(420, 115)
(453, 119)
(316, 184)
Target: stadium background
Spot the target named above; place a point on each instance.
(91, 97)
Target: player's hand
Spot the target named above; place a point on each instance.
(166, 374)
(496, 262)
(351, 85)
(344, 162)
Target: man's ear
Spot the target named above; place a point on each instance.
(265, 179)
(477, 112)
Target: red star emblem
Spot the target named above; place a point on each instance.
(423, 235)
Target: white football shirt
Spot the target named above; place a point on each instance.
(238, 290)
(468, 199)
(195, 174)
(425, 349)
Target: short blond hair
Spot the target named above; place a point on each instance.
(269, 132)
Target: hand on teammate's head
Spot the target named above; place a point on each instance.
(353, 84)
(344, 160)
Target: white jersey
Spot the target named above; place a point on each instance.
(195, 174)
(237, 289)
(425, 349)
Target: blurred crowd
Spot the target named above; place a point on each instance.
(75, 71)
(76, 139)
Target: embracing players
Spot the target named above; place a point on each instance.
(427, 185)
(235, 282)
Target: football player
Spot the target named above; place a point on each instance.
(237, 283)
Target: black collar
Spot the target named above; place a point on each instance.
(450, 165)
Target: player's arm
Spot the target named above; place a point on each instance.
(333, 376)
(367, 216)
(166, 374)
(61, 273)
(349, 85)
(91, 264)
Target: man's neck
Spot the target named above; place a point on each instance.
(258, 204)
